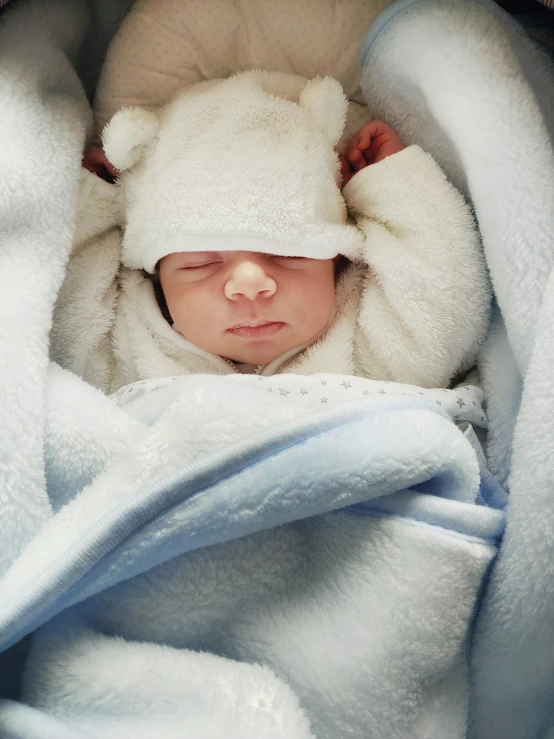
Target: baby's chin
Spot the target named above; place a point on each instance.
(256, 358)
(261, 354)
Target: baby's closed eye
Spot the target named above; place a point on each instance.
(197, 260)
(198, 266)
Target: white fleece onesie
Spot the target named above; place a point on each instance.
(411, 307)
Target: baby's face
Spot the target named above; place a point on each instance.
(246, 306)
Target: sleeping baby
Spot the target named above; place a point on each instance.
(236, 239)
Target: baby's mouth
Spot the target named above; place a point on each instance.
(256, 329)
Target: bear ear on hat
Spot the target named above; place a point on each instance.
(126, 135)
(326, 102)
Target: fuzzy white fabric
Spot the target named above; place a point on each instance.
(42, 129)
(503, 67)
(486, 112)
(514, 656)
(415, 310)
(166, 45)
(515, 123)
(179, 693)
(247, 163)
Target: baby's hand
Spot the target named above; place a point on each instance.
(372, 143)
(97, 162)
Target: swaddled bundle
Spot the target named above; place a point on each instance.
(368, 622)
(231, 197)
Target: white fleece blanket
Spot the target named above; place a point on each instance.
(313, 572)
(486, 112)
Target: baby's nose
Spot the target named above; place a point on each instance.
(249, 279)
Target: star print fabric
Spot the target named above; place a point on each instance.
(463, 403)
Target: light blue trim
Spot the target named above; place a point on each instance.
(491, 492)
(464, 519)
(400, 6)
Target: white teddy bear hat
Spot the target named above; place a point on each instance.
(246, 163)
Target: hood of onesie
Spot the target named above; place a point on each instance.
(246, 163)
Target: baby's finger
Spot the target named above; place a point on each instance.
(352, 146)
(366, 134)
(372, 151)
(355, 155)
(357, 160)
(96, 161)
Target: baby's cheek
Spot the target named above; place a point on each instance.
(318, 305)
(199, 307)
(179, 305)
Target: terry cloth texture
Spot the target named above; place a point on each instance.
(247, 164)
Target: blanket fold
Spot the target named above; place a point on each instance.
(42, 127)
(268, 543)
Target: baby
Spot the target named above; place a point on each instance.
(241, 253)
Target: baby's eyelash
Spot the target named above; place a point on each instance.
(198, 266)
